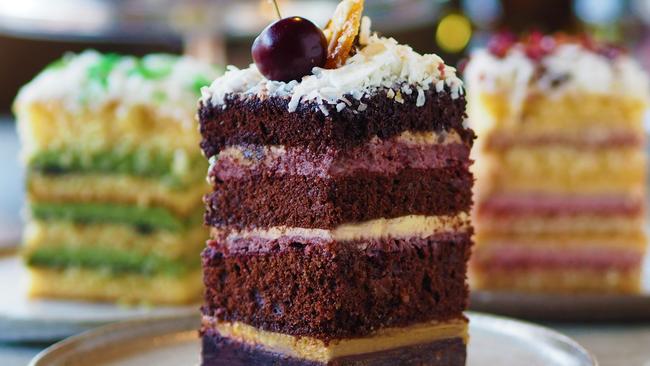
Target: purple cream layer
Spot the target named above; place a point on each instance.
(515, 257)
(377, 156)
(551, 205)
(261, 245)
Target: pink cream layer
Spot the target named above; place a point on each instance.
(514, 257)
(384, 157)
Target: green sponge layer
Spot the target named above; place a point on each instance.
(144, 218)
(172, 169)
(107, 259)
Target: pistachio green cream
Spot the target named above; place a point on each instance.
(144, 218)
(175, 170)
(107, 259)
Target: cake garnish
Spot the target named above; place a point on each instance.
(555, 64)
(92, 79)
(342, 31)
(364, 64)
(537, 45)
(289, 49)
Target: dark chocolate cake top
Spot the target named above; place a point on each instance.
(379, 64)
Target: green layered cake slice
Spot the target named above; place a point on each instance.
(114, 177)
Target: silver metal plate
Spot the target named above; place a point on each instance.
(174, 341)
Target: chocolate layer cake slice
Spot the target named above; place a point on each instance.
(339, 213)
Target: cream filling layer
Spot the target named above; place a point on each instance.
(420, 226)
(317, 350)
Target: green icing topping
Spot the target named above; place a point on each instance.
(153, 67)
(172, 82)
(58, 64)
(151, 164)
(153, 71)
(145, 219)
(115, 261)
(100, 71)
(199, 82)
(159, 96)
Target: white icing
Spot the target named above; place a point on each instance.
(573, 68)
(172, 90)
(381, 63)
(364, 31)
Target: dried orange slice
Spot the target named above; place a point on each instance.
(341, 31)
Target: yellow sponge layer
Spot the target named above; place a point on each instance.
(566, 114)
(634, 240)
(560, 224)
(78, 283)
(118, 237)
(314, 349)
(558, 169)
(119, 189)
(558, 280)
(50, 126)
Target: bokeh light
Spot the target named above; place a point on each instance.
(598, 11)
(482, 12)
(453, 33)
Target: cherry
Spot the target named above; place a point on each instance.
(537, 45)
(500, 43)
(611, 51)
(605, 49)
(289, 49)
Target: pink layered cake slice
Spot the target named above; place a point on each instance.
(561, 165)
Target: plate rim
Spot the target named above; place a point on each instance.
(547, 332)
(171, 322)
(562, 307)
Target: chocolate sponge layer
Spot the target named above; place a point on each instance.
(220, 351)
(312, 202)
(339, 289)
(251, 120)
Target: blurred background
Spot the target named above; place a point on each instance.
(33, 33)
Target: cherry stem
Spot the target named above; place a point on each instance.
(277, 9)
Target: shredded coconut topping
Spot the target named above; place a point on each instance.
(92, 79)
(569, 68)
(381, 63)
